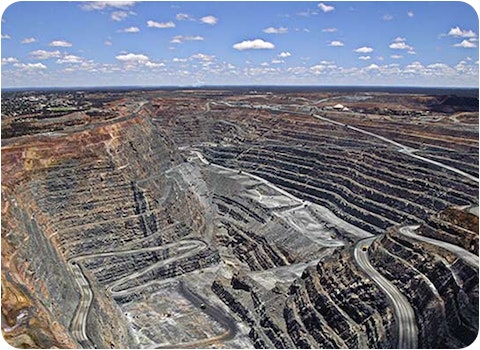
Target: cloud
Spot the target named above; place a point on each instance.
(108, 43)
(363, 49)
(272, 30)
(5, 36)
(28, 40)
(466, 44)
(336, 43)
(184, 17)
(176, 59)
(414, 67)
(209, 20)
(60, 43)
(203, 57)
(329, 30)
(30, 66)
(400, 46)
(70, 59)
(130, 30)
(373, 66)
(325, 8)
(154, 64)
(7, 60)
(133, 58)
(458, 32)
(45, 55)
(365, 58)
(255, 44)
(410, 14)
(100, 5)
(284, 54)
(396, 57)
(153, 24)
(387, 17)
(399, 39)
(119, 15)
(180, 39)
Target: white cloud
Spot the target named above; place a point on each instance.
(7, 60)
(202, 57)
(329, 30)
(45, 55)
(180, 39)
(387, 17)
(325, 8)
(414, 67)
(364, 49)
(458, 32)
(133, 58)
(396, 57)
(373, 66)
(410, 14)
(399, 39)
(153, 24)
(365, 58)
(466, 44)
(184, 17)
(400, 45)
(5, 36)
(119, 15)
(28, 40)
(255, 44)
(108, 43)
(176, 59)
(284, 54)
(275, 61)
(272, 30)
(70, 59)
(131, 30)
(336, 43)
(209, 20)
(30, 66)
(100, 5)
(60, 43)
(154, 64)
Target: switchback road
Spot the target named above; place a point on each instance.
(186, 248)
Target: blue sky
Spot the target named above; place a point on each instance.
(48, 44)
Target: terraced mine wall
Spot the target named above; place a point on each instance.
(436, 283)
(109, 194)
(298, 225)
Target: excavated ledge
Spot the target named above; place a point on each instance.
(179, 219)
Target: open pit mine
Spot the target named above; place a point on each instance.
(232, 218)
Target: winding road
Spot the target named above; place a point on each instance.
(407, 331)
(186, 248)
(403, 149)
(327, 214)
(470, 258)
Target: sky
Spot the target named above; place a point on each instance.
(80, 44)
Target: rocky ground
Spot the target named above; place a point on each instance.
(202, 218)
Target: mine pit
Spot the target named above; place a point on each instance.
(196, 218)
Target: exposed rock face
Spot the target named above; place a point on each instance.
(188, 220)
